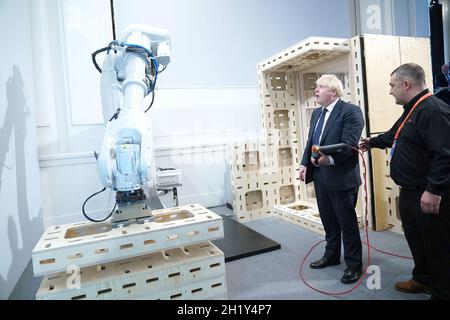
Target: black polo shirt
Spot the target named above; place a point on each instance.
(422, 153)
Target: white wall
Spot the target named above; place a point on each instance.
(21, 222)
(219, 42)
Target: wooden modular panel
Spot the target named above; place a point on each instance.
(379, 188)
(284, 97)
(307, 53)
(138, 277)
(305, 214)
(302, 213)
(212, 289)
(387, 215)
(280, 157)
(356, 78)
(250, 160)
(87, 243)
(393, 212)
(383, 54)
(417, 50)
(252, 204)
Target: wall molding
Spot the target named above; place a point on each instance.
(68, 159)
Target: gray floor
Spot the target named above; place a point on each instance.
(275, 275)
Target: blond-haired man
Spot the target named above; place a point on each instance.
(336, 177)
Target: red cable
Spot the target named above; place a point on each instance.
(369, 246)
(389, 253)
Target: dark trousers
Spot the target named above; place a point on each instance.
(428, 237)
(338, 215)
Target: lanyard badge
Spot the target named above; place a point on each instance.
(394, 144)
(392, 150)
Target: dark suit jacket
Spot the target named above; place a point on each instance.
(440, 81)
(344, 125)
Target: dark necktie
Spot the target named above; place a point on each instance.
(318, 131)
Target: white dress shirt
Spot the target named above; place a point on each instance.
(327, 115)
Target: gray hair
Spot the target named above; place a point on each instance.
(412, 72)
(332, 82)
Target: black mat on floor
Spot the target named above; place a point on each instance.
(240, 241)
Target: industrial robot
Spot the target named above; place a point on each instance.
(126, 164)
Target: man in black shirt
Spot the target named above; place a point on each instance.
(420, 165)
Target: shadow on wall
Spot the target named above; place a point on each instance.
(15, 127)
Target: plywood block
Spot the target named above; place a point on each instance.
(287, 194)
(253, 200)
(281, 123)
(244, 216)
(382, 56)
(139, 276)
(393, 214)
(304, 214)
(385, 192)
(287, 151)
(356, 77)
(285, 157)
(417, 50)
(251, 159)
(253, 204)
(88, 243)
(305, 54)
(210, 289)
(275, 97)
(288, 187)
(246, 156)
(255, 182)
(279, 104)
(249, 200)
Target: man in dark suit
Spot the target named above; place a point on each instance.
(441, 85)
(337, 177)
(441, 80)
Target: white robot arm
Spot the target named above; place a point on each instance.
(129, 74)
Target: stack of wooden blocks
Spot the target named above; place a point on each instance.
(265, 172)
(304, 214)
(388, 196)
(169, 258)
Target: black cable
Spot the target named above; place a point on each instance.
(113, 22)
(151, 103)
(165, 169)
(94, 55)
(89, 218)
(135, 49)
(116, 115)
(164, 68)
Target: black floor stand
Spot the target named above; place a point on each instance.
(240, 241)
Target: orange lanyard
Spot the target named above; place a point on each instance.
(412, 109)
